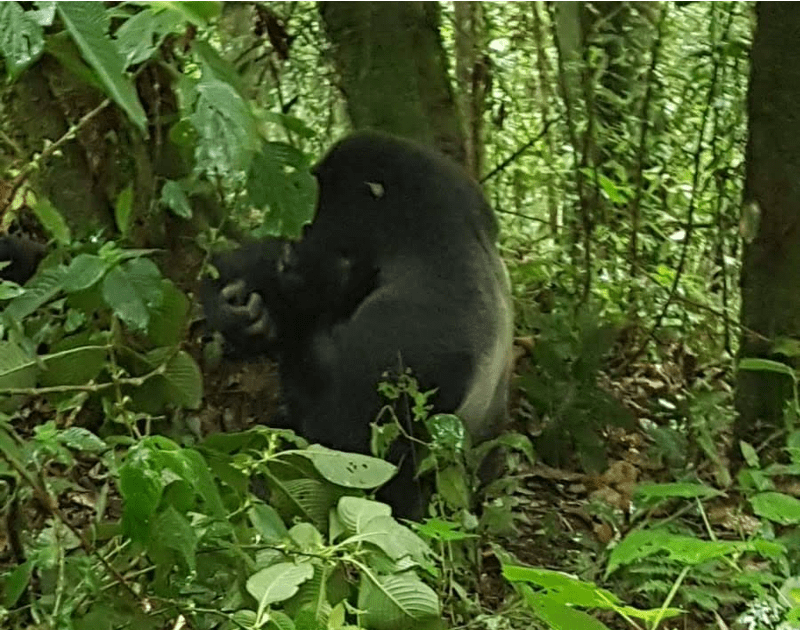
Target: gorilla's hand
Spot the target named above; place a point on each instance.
(246, 313)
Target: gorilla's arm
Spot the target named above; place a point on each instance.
(272, 291)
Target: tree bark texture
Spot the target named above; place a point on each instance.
(393, 70)
(770, 278)
(473, 73)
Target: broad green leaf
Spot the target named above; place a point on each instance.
(278, 582)
(184, 381)
(141, 487)
(39, 290)
(74, 360)
(17, 368)
(176, 532)
(84, 271)
(21, 38)
(777, 507)
(557, 614)
(170, 319)
(63, 48)
(87, 22)
(16, 583)
(445, 531)
(228, 136)
(351, 470)
(81, 439)
(356, 512)
(394, 539)
(52, 220)
(451, 484)
(173, 197)
(562, 586)
(290, 123)
(395, 602)
(267, 523)
(143, 33)
(131, 289)
(146, 277)
(279, 182)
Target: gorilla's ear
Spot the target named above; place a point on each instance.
(24, 256)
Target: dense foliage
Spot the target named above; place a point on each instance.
(615, 165)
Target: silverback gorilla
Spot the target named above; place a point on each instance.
(399, 268)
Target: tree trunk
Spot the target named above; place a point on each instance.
(393, 70)
(473, 73)
(40, 107)
(771, 265)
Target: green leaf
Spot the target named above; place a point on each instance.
(39, 290)
(558, 615)
(670, 490)
(81, 439)
(74, 360)
(355, 512)
(395, 602)
(777, 507)
(21, 38)
(198, 13)
(17, 368)
(173, 197)
(766, 365)
(228, 136)
(131, 289)
(452, 485)
(16, 583)
(170, 319)
(84, 271)
(142, 34)
(684, 550)
(351, 470)
(122, 209)
(141, 487)
(63, 48)
(52, 220)
(268, 523)
(184, 381)
(562, 586)
(394, 539)
(176, 533)
(278, 582)
(87, 22)
(280, 182)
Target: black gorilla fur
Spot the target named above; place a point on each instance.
(23, 256)
(398, 269)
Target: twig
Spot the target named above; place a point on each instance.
(502, 166)
(48, 151)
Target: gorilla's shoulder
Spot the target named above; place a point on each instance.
(423, 173)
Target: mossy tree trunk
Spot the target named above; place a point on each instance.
(771, 266)
(393, 70)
